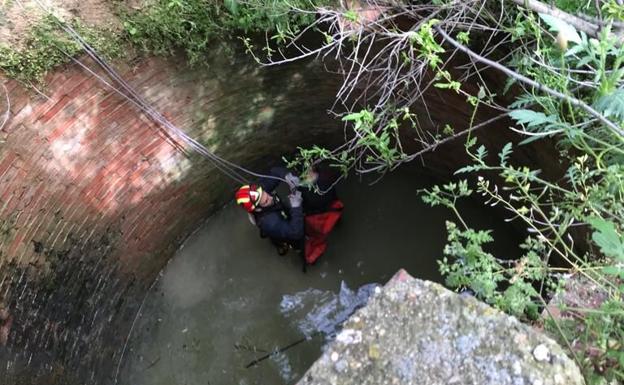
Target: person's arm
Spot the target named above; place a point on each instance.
(270, 184)
(291, 229)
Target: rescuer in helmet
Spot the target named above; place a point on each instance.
(282, 224)
(306, 223)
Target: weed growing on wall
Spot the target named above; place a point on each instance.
(47, 46)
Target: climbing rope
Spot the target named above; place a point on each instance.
(170, 131)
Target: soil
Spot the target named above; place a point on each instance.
(18, 16)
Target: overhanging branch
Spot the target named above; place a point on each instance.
(540, 87)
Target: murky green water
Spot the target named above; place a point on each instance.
(227, 298)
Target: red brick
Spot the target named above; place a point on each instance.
(34, 153)
(30, 226)
(6, 162)
(61, 128)
(78, 213)
(78, 84)
(110, 101)
(56, 108)
(151, 146)
(10, 84)
(15, 243)
(20, 97)
(55, 80)
(10, 180)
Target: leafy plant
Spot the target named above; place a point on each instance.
(568, 87)
(167, 26)
(47, 46)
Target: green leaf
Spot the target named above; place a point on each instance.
(558, 25)
(584, 61)
(532, 118)
(504, 154)
(481, 152)
(612, 104)
(466, 169)
(463, 37)
(575, 50)
(530, 139)
(481, 93)
(351, 15)
(508, 83)
(607, 238)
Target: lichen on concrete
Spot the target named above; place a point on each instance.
(418, 332)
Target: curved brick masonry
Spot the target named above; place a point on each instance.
(93, 200)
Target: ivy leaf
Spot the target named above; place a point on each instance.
(557, 25)
(612, 104)
(532, 118)
(607, 238)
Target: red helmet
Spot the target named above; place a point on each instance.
(248, 196)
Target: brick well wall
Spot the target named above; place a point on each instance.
(93, 200)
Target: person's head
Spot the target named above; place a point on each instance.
(252, 197)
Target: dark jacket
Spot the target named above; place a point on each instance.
(279, 222)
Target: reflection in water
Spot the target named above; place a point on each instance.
(227, 299)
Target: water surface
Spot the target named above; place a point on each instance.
(227, 298)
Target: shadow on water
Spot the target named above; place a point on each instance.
(227, 298)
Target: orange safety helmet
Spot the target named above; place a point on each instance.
(248, 196)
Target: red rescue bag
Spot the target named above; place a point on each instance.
(317, 228)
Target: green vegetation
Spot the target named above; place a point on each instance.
(191, 25)
(47, 46)
(163, 28)
(569, 88)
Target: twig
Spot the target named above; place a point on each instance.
(280, 350)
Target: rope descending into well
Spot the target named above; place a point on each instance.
(173, 133)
